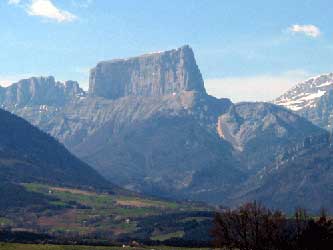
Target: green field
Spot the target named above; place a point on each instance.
(7, 246)
(86, 213)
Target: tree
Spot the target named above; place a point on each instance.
(318, 234)
(252, 226)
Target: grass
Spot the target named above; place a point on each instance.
(129, 206)
(5, 221)
(85, 212)
(163, 237)
(10, 246)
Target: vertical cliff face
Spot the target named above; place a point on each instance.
(153, 74)
(39, 91)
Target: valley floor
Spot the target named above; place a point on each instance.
(82, 214)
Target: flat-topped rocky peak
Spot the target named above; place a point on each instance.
(39, 91)
(153, 74)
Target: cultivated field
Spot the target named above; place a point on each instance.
(88, 214)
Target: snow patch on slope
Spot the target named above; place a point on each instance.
(306, 94)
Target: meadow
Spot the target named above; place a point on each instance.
(88, 214)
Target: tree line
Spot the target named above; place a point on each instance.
(255, 227)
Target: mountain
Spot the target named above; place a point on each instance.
(45, 189)
(147, 124)
(154, 74)
(43, 91)
(260, 131)
(312, 99)
(301, 176)
(162, 146)
(30, 155)
(38, 98)
(158, 136)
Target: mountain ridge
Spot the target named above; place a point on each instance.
(176, 142)
(28, 154)
(312, 99)
(300, 175)
(39, 90)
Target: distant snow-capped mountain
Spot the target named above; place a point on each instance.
(312, 99)
(306, 94)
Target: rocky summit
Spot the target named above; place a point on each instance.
(154, 74)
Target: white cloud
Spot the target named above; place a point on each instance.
(308, 30)
(254, 88)
(14, 2)
(46, 9)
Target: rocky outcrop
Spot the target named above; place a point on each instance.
(152, 74)
(39, 91)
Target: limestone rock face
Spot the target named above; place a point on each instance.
(154, 74)
(39, 91)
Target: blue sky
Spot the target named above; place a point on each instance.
(246, 50)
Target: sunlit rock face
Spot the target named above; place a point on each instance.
(154, 74)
